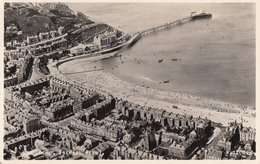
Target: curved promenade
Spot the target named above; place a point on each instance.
(105, 82)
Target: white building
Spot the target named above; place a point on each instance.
(106, 39)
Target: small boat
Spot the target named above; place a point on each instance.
(160, 60)
(167, 81)
(174, 59)
(175, 107)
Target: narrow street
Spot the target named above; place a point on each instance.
(35, 72)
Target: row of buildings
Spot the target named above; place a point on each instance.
(42, 36)
(131, 110)
(235, 134)
(18, 71)
(24, 123)
(12, 29)
(111, 133)
(180, 145)
(105, 40)
(123, 151)
(45, 36)
(21, 54)
(45, 42)
(60, 99)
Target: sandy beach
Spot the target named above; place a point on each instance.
(93, 76)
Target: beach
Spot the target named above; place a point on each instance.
(217, 55)
(93, 76)
(214, 75)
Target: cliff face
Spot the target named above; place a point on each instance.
(32, 18)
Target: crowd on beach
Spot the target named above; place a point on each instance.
(105, 79)
(187, 104)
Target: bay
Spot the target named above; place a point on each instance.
(216, 57)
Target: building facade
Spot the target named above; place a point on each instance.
(106, 39)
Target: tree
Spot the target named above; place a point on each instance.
(31, 157)
(163, 153)
(167, 127)
(82, 139)
(71, 146)
(254, 146)
(136, 131)
(104, 138)
(235, 147)
(136, 116)
(46, 134)
(156, 126)
(28, 148)
(7, 155)
(54, 138)
(83, 118)
(6, 5)
(17, 154)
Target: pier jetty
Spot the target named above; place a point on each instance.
(194, 15)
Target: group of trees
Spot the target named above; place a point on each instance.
(46, 135)
(7, 154)
(43, 61)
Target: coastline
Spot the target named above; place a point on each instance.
(201, 96)
(104, 80)
(185, 94)
(187, 104)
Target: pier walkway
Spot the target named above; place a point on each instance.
(162, 27)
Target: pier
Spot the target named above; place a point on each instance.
(136, 36)
(163, 26)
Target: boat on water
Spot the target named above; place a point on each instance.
(159, 61)
(174, 59)
(167, 81)
(200, 14)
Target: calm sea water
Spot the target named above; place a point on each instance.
(217, 56)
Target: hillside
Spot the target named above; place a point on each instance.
(33, 18)
(36, 24)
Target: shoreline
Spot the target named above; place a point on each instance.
(187, 104)
(149, 84)
(105, 80)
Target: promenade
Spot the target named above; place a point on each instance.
(94, 76)
(187, 104)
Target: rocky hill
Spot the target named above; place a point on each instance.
(32, 18)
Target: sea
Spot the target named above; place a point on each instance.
(212, 58)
